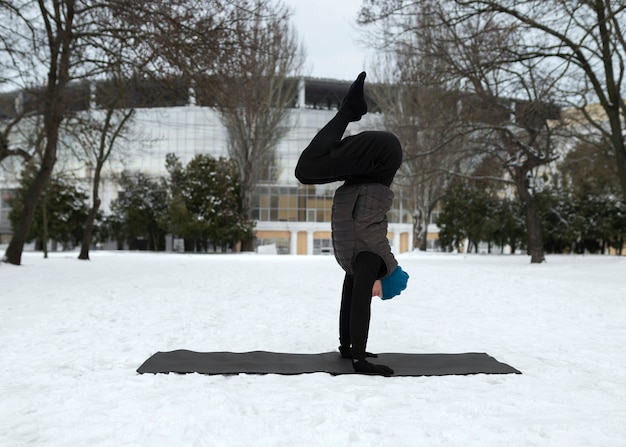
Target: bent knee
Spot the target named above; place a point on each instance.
(393, 145)
(392, 152)
(302, 176)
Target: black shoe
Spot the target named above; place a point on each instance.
(346, 352)
(365, 367)
(354, 105)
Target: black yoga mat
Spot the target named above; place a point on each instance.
(263, 362)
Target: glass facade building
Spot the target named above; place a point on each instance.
(294, 217)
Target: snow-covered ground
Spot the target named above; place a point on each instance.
(73, 333)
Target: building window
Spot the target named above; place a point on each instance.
(292, 204)
(309, 203)
(322, 247)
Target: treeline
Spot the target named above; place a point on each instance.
(588, 223)
(200, 203)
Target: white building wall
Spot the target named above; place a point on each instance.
(191, 130)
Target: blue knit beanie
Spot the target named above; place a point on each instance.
(395, 283)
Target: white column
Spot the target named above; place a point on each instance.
(309, 242)
(396, 241)
(191, 96)
(293, 245)
(301, 93)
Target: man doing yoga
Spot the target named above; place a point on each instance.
(366, 163)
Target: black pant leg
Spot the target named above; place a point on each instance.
(314, 165)
(367, 269)
(368, 157)
(345, 339)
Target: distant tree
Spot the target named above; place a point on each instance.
(253, 85)
(471, 212)
(97, 134)
(506, 107)
(589, 169)
(463, 216)
(99, 131)
(589, 181)
(11, 107)
(601, 224)
(416, 107)
(418, 101)
(139, 214)
(51, 46)
(98, 142)
(509, 227)
(587, 39)
(582, 40)
(113, 228)
(205, 202)
(559, 220)
(50, 31)
(58, 216)
(7, 127)
(617, 226)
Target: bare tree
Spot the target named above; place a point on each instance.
(53, 41)
(61, 41)
(587, 38)
(7, 149)
(99, 130)
(99, 135)
(505, 107)
(253, 87)
(510, 111)
(11, 111)
(241, 58)
(419, 104)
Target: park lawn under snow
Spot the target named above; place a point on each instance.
(73, 333)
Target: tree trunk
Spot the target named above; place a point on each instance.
(247, 189)
(513, 245)
(533, 228)
(421, 230)
(535, 238)
(86, 242)
(620, 157)
(424, 242)
(44, 224)
(247, 245)
(93, 212)
(13, 254)
(53, 114)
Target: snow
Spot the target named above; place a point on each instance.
(73, 333)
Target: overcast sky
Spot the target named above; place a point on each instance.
(328, 31)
